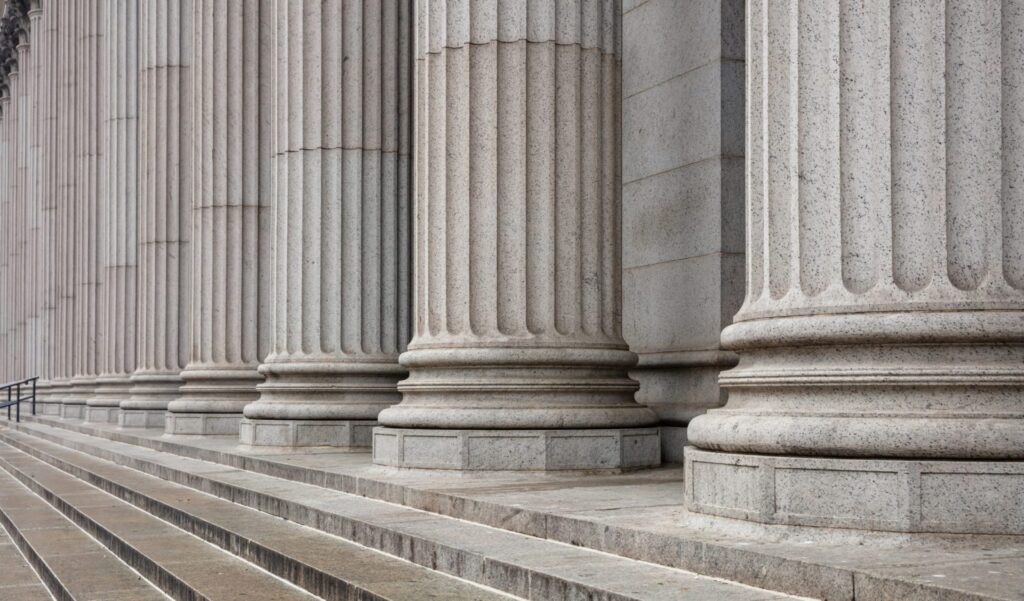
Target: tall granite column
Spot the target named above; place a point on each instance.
(884, 321)
(230, 216)
(87, 219)
(518, 361)
(33, 273)
(67, 26)
(165, 210)
(6, 245)
(119, 56)
(19, 199)
(44, 40)
(341, 239)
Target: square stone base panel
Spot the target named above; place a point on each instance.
(49, 408)
(518, 450)
(102, 415)
(202, 424)
(72, 411)
(979, 497)
(141, 418)
(306, 433)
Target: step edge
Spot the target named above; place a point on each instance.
(198, 526)
(374, 540)
(740, 566)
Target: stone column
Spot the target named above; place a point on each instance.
(341, 240)
(33, 233)
(65, 182)
(518, 361)
(120, 245)
(230, 216)
(44, 41)
(87, 218)
(19, 199)
(6, 245)
(884, 321)
(19, 101)
(165, 210)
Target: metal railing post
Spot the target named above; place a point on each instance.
(8, 404)
(34, 396)
(17, 404)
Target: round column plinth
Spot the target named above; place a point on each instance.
(517, 450)
(105, 403)
(211, 401)
(351, 434)
(79, 391)
(518, 388)
(921, 385)
(896, 495)
(150, 396)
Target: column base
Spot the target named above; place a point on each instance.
(354, 434)
(141, 418)
(897, 495)
(101, 414)
(51, 408)
(517, 450)
(72, 410)
(202, 424)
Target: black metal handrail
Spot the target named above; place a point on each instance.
(12, 392)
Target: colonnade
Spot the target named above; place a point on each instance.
(227, 217)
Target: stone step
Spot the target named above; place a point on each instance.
(181, 565)
(73, 565)
(322, 564)
(521, 565)
(17, 578)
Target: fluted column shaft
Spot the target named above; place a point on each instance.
(165, 221)
(44, 38)
(119, 55)
(340, 285)
(230, 216)
(885, 281)
(518, 268)
(7, 245)
(18, 202)
(86, 204)
(66, 200)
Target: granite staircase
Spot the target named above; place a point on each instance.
(107, 520)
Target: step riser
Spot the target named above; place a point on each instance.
(149, 569)
(53, 584)
(312, 580)
(512, 579)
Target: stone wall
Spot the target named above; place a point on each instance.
(683, 89)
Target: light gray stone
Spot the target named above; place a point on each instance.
(518, 291)
(306, 433)
(888, 327)
(517, 450)
(164, 273)
(341, 287)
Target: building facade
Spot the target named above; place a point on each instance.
(537, 235)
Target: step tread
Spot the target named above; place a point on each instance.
(206, 569)
(18, 581)
(84, 567)
(365, 569)
(516, 563)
